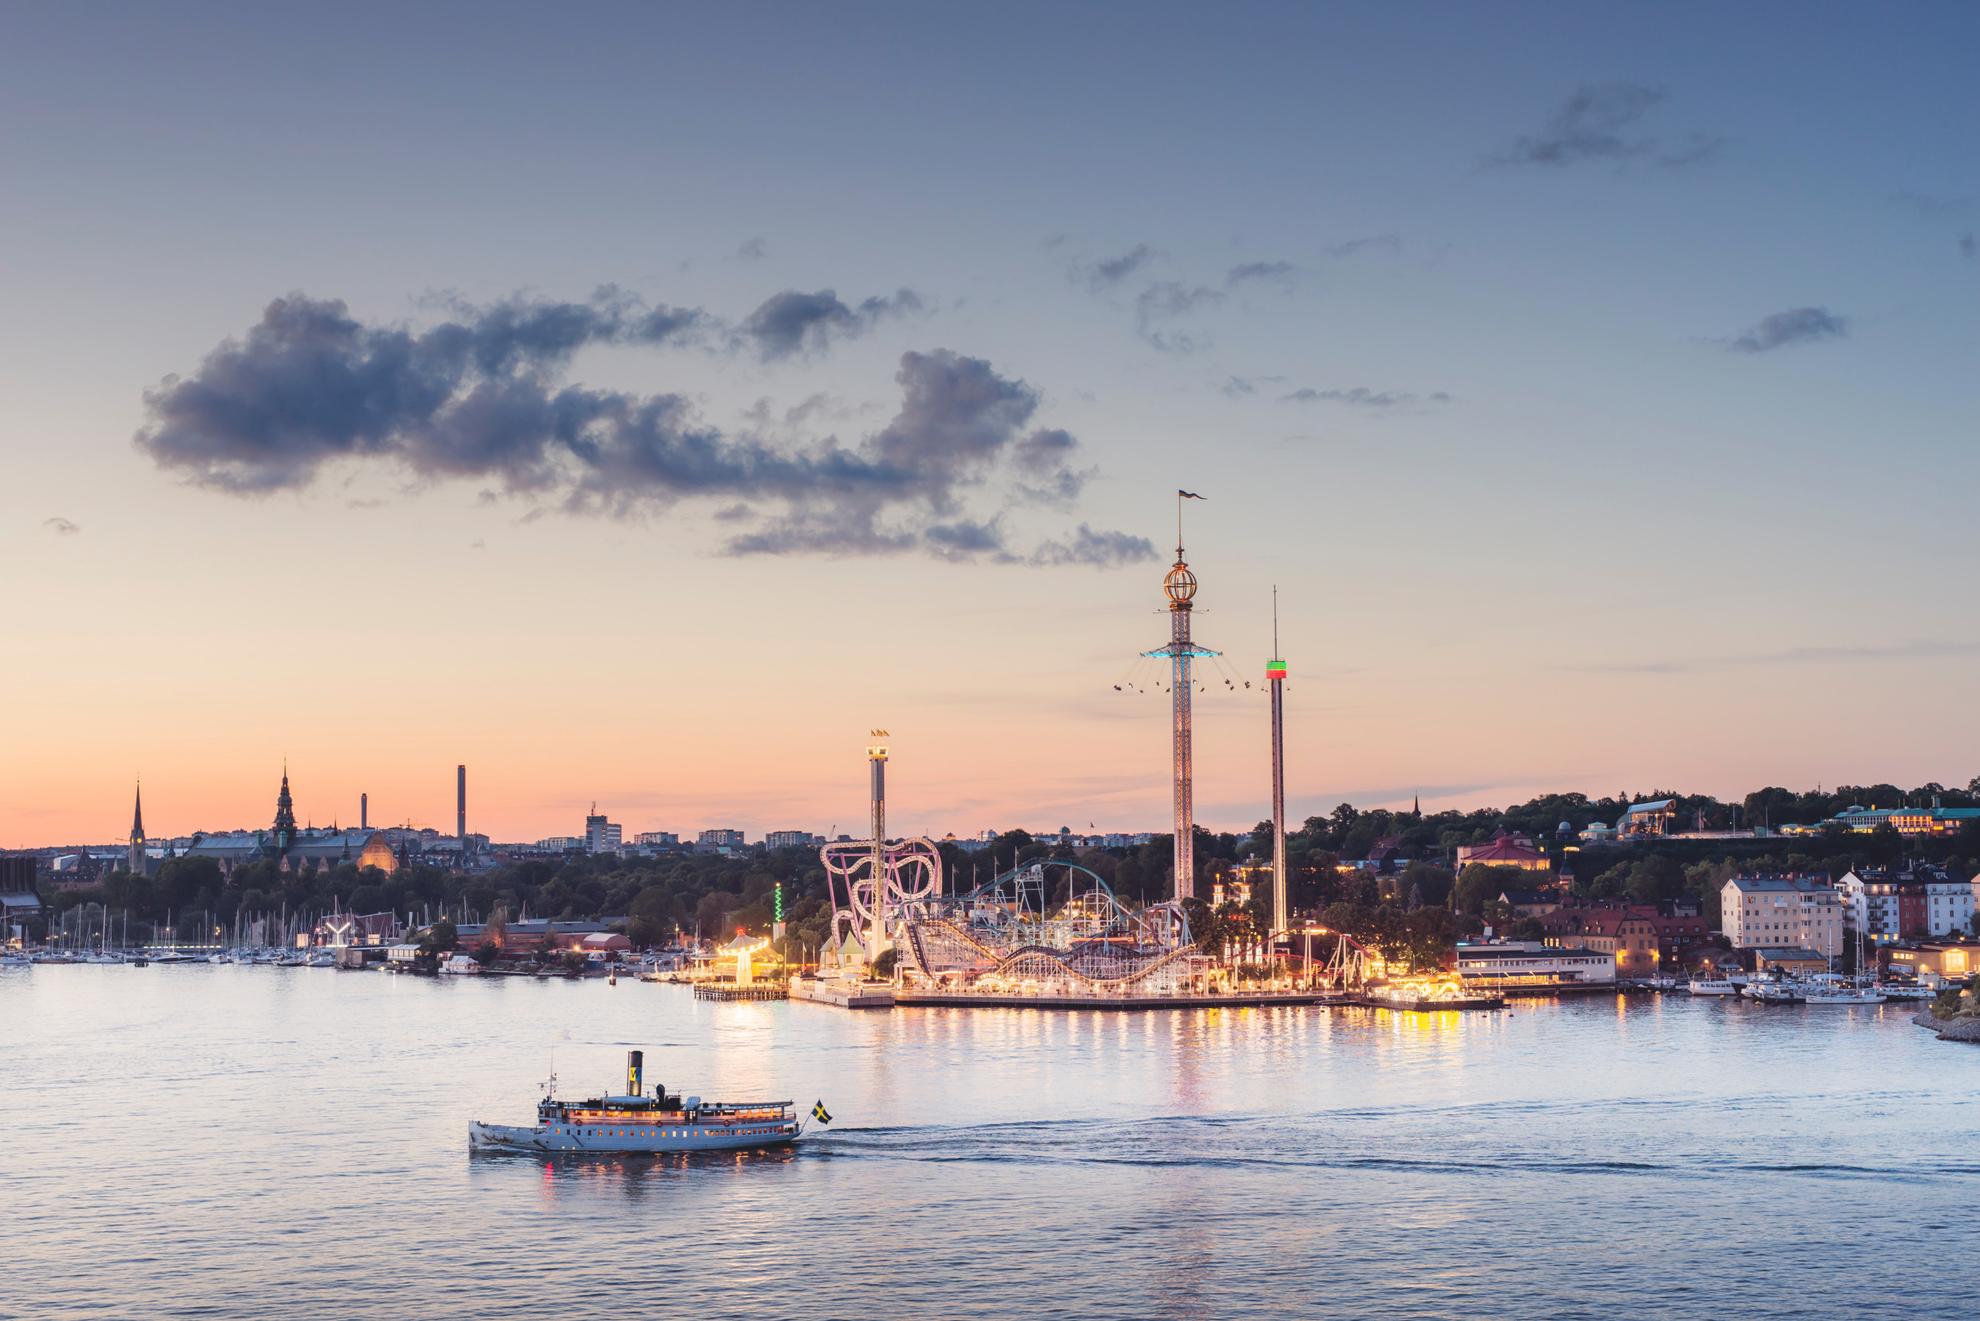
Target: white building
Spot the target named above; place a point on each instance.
(1531, 965)
(657, 838)
(791, 839)
(1923, 902)
(602, 836)
(720, 838)
(1782, 911)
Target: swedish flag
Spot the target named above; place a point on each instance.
(819, 1113)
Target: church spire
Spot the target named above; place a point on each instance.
(134, 860)
(285, 816)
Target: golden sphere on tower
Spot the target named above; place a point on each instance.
(1180, 585)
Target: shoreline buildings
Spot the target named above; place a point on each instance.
(1774, 912)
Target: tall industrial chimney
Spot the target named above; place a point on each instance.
(364, 811)
(460, 804)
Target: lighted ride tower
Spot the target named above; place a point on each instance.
(876, 886)
(1179, 586)
(1275, 678)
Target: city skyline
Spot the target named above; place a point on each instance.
(1601, 416)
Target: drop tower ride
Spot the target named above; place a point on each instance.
(1179, 586)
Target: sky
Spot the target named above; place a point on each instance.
(640, 403)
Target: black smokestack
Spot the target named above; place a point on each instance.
(460, 803)
(364, 811)
(635, 1062)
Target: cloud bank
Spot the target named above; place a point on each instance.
(481, 397)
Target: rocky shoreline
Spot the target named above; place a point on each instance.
(1950, 1029)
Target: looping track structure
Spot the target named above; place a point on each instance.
(1052, 928)
(913, 878)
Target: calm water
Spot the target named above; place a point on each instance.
(238, 1142)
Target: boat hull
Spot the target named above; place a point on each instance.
(620, 1140)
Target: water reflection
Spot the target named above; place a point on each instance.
(984, 1164)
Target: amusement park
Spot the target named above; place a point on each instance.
(1050, 932)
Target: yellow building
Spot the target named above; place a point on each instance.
(1952, 960)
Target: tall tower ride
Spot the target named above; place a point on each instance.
(1179, 586)
(876, 931)
(1275, 678)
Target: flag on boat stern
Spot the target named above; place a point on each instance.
(819, 1113)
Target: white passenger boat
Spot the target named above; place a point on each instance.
(461, 965)
(1711, 986)
(635, 1122)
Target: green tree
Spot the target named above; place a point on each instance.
(1655, 880)
(1479, 884)
(1430, 883)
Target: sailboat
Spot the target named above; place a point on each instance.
(1856, 991)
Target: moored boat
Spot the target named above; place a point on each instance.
(639, 1123)
(1432, 993)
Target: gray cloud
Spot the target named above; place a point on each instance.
(1099, 549)
(1367, 243)
(1967, 248)
(1239, 387)
(1361, 396)
(1919, 649)
(1282, 273)
(1799, 325)
(792, 322)
(480, 397)
(1600, 122)
(1933, 206)
(1108, 272)
(1158, 306)
(61, 527)
(755, 249)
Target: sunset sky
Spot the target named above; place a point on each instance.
(640, 403)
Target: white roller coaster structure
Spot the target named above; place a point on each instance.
(1049, 928)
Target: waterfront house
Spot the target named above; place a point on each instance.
(1782, 912)
(1643, 939)
(1511, 966)
(1789, 960)
(528, 935)
(1920, 902)
(1933, 960)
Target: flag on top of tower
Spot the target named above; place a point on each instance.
(1189, 495)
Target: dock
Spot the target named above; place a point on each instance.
(844, 994)
(730, 991)
(1230, 1000)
